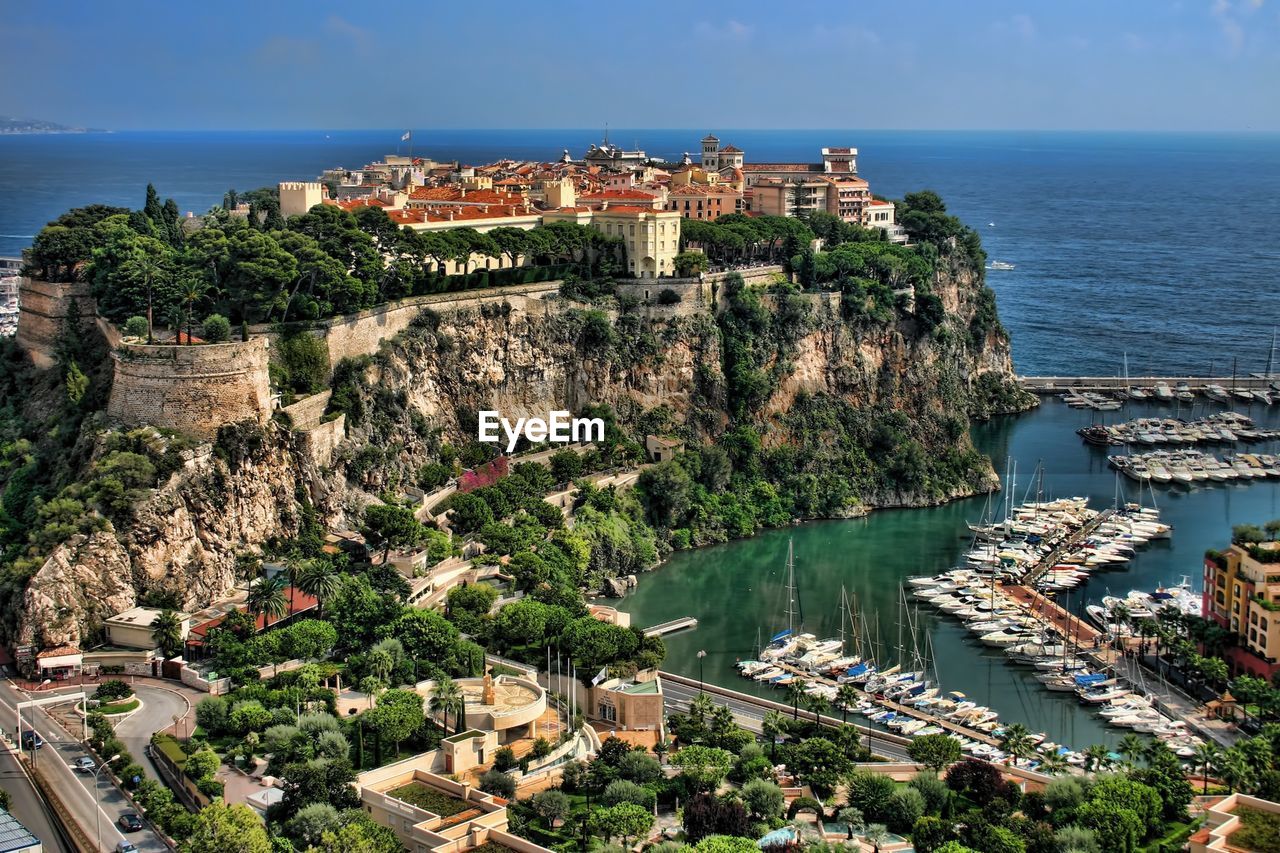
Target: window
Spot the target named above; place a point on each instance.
(633, 233)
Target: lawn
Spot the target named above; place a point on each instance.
(428, 798)
(119, 707)
(1174, 838)
(1259, 831)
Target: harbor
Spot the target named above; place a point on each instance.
(873, 556)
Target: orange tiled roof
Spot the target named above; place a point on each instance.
(618, 195)
(782, 167)
(57, 652)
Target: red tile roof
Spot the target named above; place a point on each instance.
(618, 195)
(782, 167)
(57, 652)
(729, 149)
(302, 602)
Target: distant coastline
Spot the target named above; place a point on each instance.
(30, 127)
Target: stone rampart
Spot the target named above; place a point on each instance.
(192, 389)
(43, 307)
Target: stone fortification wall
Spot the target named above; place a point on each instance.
(360, 333)
(42, 311)
(192, 389)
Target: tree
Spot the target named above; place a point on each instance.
(311, 822)
(725, 844)
(219, 827)
(690, 263)
(703, 767)
(869, 793)
(551, 806)
(166, 632)
(819, 763)
(397, 716)
(393, 526)
(934, 751)
(764, 799)
(625, 821)
(498, 783)
(1207, 755)
(847, 696)
(904, 808)
(445, 696)
(319, 578)
(772, 727)
(267, 599)
(1130, 748)
(795, 695)
(1017, 741)
(1097, 757)
(876, 834)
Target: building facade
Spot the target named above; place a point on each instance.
(1242, 594)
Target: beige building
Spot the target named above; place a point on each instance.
(1222, 821)
(132, 629)
(705, 202)
(430, 813)
(1242, 594)
(628, 704)
(777, 197)
(848, 197)
(651, 238)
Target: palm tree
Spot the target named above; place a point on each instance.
(815, 703)
(1131, 746)
(876, 834)
(1097, 757)
(796, 695)
(1234, 769)
(771, 726)
(320, 579)
(851, 818)
(1207, 754)
(660, 749)
(1017, 741)
(847, 697)
(146, 268)
(1053, 763)
(192, 289)
(444, 698)
(166, 632)
(266, 599)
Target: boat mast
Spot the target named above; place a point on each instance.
(1271, 356)
(791, 588)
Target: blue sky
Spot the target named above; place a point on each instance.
(962, 64)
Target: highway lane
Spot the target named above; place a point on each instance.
(92, 800)
(750, 713)
(28, 806)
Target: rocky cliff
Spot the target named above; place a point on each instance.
(682, 371)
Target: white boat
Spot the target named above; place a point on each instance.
(1163, 391)
(1000, 265)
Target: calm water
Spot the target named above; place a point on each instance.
(1162, 245)
(738, 589)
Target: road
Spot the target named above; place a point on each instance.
(92, 800)
(28, 806)
(159, 707)
(750, 714)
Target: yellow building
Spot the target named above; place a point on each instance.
(650, 237)
(1242, 594)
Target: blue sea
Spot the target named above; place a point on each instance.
(1161, 246)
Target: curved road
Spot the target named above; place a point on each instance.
(159, 707)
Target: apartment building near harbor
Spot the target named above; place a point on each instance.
(1242, 594)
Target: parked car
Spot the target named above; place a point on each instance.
(126, 847)
(32, 740)
(130, 822)
(84, 764)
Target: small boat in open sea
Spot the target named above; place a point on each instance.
(1001, 265)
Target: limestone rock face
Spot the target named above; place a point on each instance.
(85, 580)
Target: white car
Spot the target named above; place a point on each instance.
(84, 764)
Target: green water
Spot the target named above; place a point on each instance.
(737, 590)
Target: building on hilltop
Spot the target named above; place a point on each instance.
(650, 237)
(1242, 594)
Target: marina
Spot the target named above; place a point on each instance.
(873, 556)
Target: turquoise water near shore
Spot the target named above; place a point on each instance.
(738, 588)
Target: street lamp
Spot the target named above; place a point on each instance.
(97, 813)
(702, 653)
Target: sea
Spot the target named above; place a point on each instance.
(1155, 249)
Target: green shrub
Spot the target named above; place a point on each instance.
(136, 327)
(216, 329)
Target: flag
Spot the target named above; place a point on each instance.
(600, 676)
(405, 137)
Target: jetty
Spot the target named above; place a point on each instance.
(1037, 571)
(1198, 384)
(671, 626)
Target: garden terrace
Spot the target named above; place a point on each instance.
(430, 799)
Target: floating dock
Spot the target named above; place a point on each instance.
(1058, 384)
(670, 627)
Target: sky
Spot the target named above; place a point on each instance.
(1199, 65)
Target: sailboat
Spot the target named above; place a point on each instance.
(785, 642)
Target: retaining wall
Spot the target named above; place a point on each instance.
(192, 389)
(42, 311)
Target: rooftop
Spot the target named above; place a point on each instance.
(13, 835)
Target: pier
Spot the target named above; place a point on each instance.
(1059, 384)
(671, 626)
(1050, 560)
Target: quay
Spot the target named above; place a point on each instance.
(671, 626)
(1093, 647)
(1051, 559)
(1058, 384)
(890, 705)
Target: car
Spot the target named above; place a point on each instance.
(129, 822)
(32, 740)
(126, 846)
(84, 764)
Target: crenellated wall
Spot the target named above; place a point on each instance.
(192, 389)
(43, 307)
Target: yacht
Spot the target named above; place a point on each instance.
(1000, 265)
